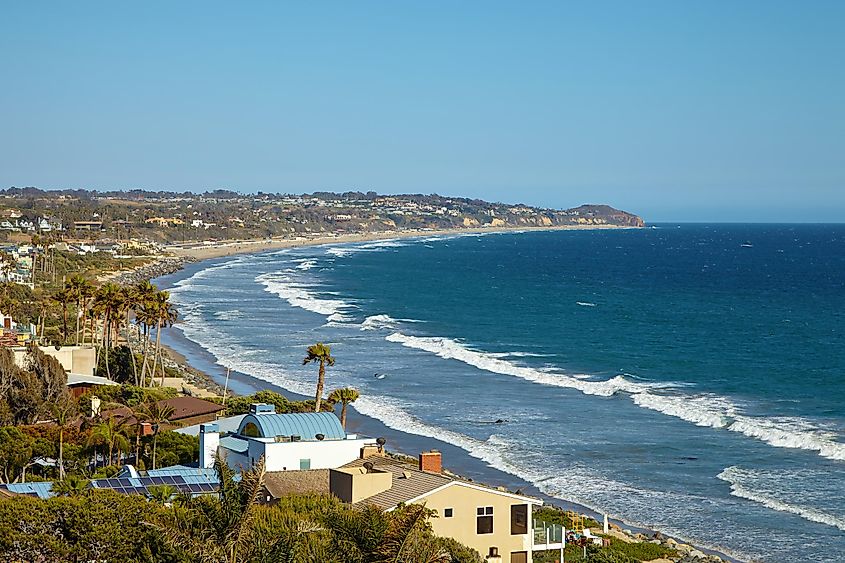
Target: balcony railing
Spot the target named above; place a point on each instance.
(547, 535)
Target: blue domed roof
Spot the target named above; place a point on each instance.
(304, 425)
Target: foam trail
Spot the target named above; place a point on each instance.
(735, 476)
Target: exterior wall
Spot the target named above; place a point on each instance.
(286, 456)
(75, 359)
(353, 485)
(464, 500)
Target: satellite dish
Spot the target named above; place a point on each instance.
(320, 437)
(381, 441)
(368, 466)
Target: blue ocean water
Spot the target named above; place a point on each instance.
(685, 377)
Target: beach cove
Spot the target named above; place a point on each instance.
(455, 457)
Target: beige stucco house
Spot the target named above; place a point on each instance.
(495, 522)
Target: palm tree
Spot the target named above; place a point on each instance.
(156, 414)
(110, 432)
(77, 286)
(218, 529)
(73, 486)
(320, 353)
(344, 396)
(144, 295)
(63, 412)
(107, 302)
(64, 297)
(162, 310)
(161, 494)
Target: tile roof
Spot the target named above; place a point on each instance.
(186, 407)
(281, 483)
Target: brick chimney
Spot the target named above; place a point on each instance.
(431, 461)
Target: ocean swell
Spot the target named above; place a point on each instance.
(702, 410)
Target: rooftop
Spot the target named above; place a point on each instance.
(306, 426)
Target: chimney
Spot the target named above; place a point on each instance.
(95, 406)
(431, 461)
(209, 442)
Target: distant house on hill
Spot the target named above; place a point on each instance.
(88, 225)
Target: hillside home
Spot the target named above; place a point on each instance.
(495, 522)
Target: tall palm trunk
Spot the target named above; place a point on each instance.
(61, 453)
(321, 381)
(64, 324)
(79, 310)
(343, 414)
(146, 348)
(155, 352)
(131, 351)
(155, 443)
(107, 346)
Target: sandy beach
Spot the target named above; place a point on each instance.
(203, 251)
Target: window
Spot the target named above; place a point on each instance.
(519, 557)
(304, 464)
(519, 519)
(251, 430)
(484, 520)
(447, 513)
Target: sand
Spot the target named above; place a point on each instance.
(200, 251)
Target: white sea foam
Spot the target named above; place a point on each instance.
(384, 322)
(453, 350)
(740, 481)
(585, 304)
(301, 295)
(305, 264)
(703, 410)
(228, 315)
(376, 322)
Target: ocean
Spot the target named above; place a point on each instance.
(689, 378)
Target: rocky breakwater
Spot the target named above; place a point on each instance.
(159, 267)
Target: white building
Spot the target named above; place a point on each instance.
(288, 442)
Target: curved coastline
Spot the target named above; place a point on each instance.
(458, 460)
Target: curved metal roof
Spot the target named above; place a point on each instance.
(304, 425)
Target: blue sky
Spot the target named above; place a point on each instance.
(674, 110)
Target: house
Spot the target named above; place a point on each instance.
(495, 522)
(186, 411)
(287, 442)
(79, 384)
(88, 225)
(74, 359)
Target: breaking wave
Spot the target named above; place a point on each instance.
(301, 295)
(739, 479)
(702, 410)
(452, 350)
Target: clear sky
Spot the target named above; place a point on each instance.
(675, 110)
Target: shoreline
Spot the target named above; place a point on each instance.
(221, 249)
(197, 360)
